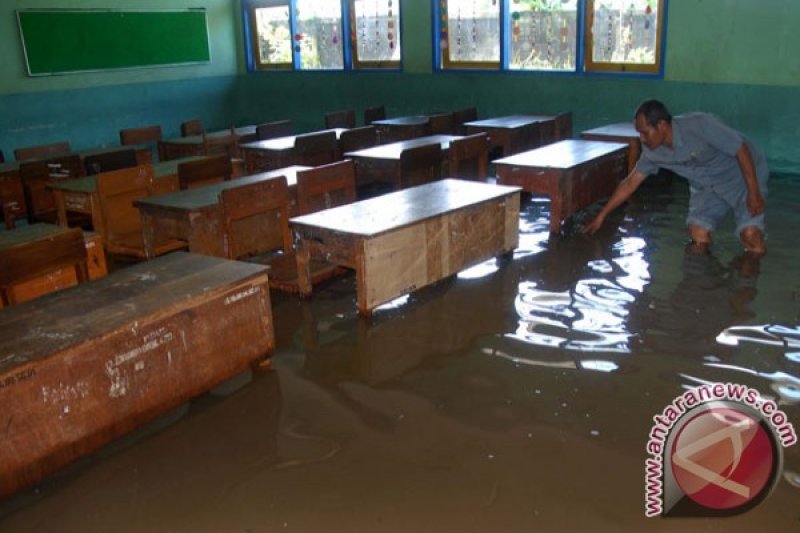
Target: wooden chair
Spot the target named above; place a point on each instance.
(526, 138)
(326, 186)
(440, 124)
(122, 222)
(340, 119)
(222, 144)
(461, 116)
(35, 175)
(420, 165)
(563, 128)
(192, 127)
(469, 157)
(105, 162)
(204, 171)
(271, 130)
(18, 264)
(358, 138)
(143, 135)
(255, 221)
(315, 149)
(42, 151)
(2, 157)
(372, 114)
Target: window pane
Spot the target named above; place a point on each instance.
(625, 31)
(319, 34)
(273, 35)
(543, 34)
(376, 30)
(471, 31)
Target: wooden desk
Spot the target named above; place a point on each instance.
(193, 144)
(12, 195)
(271, 154)
(59, 278)
(84, 366)
(402, 241)
(574, 174)
(192, 215)
(79, 195)
(504, 132)
(381, 163)
(402, 128)
(622, 132)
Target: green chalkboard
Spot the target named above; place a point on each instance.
(63, 41)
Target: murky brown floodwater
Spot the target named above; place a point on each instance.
(517, 397)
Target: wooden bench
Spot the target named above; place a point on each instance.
(574, 174)
(402, 241)
(84, 366)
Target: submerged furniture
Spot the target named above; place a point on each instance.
(402, 241)
(513, 133)
(574, 174)
(621, 132)
(87, 365)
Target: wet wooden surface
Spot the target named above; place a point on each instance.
(192, 215)
(624, 132)
(405, 240)
(399, 128)
(573, 173)
(502, 131)
(83, 366)
(193, 144)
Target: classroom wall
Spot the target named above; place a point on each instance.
(732, 57)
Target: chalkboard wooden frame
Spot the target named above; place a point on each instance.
(66, 41)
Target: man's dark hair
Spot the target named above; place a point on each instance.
(654, 111)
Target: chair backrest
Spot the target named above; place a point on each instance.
(255, 218)
(107, 161)
(271, 130)
(358, 138)
(526, 137)
(326, 186)
(315, 149)
(116, 191)
(340, 119)
(41, 151)
(38, 258)
(35, 175)
(563, 126)
(143, 135)
(469, 157)
(461, 116)
(192, 127)
(372, 114)
(204, 171)
(2, 157)
(222, 144)
(420, 165)
(441, 123)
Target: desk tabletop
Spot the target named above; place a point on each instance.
(88, 184)
(510, 121)
(415, 120)
(374, 216)
(620, 129)
(13, 166)
(562, 154)
(393, 150)
(208, 196)
(48, 325)
(284, 143)
(241, 131)
(24, 234)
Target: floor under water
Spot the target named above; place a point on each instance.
(517, 396)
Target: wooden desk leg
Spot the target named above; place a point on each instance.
(361, 286)
(556, 210)
(303, 254)
(62, 208)
(148, 235)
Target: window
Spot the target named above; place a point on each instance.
(322, 34)
(622, 36)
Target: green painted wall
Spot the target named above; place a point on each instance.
(732, 57)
